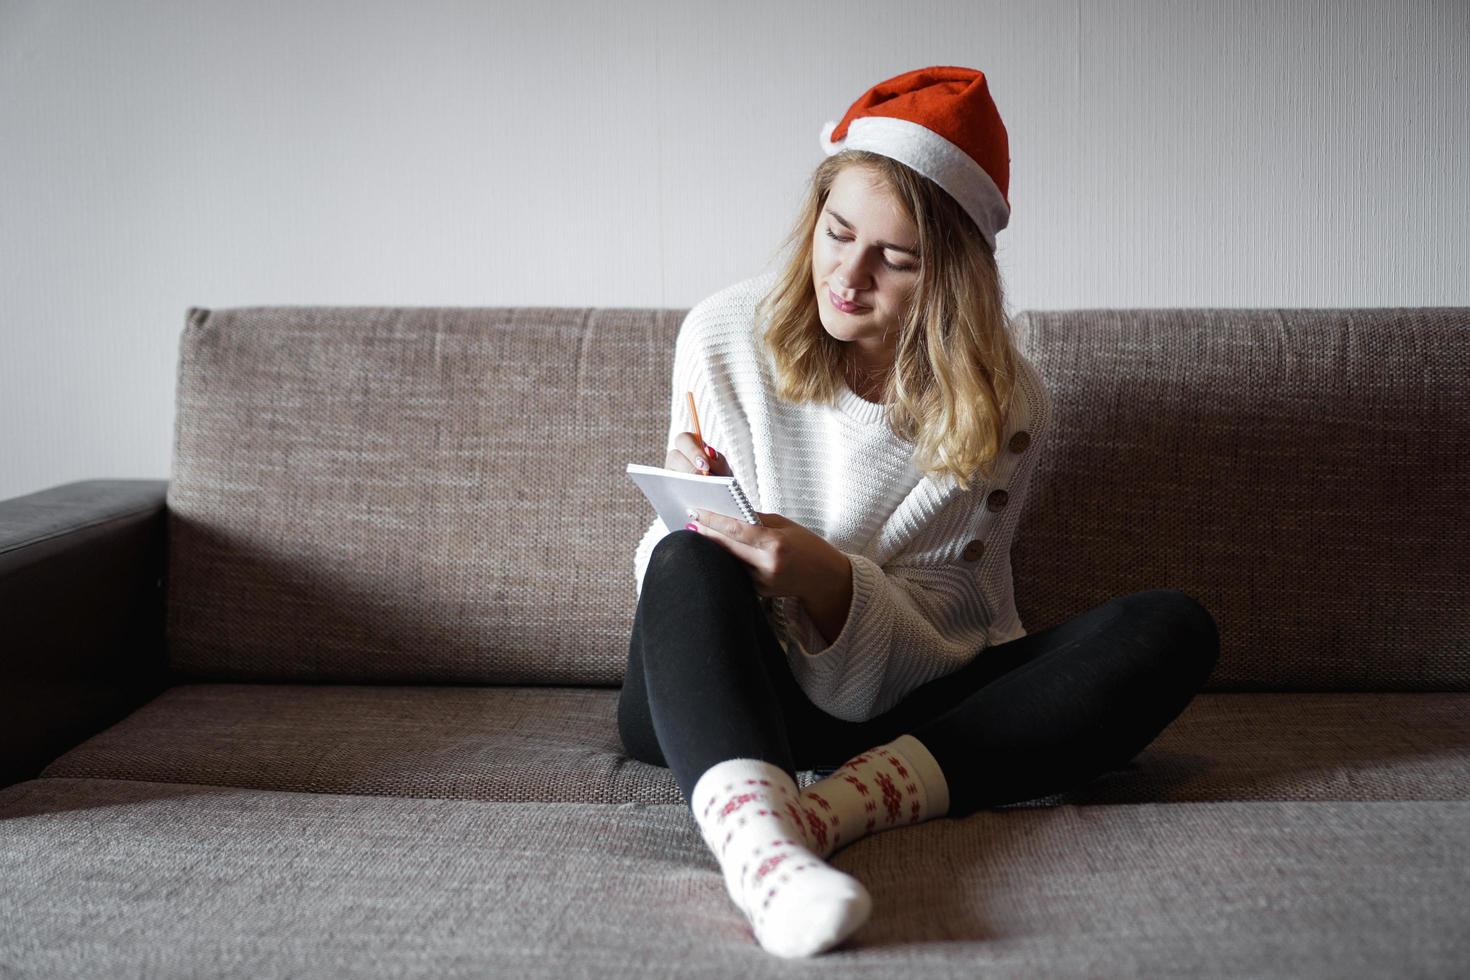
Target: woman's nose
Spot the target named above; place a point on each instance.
(851, 273)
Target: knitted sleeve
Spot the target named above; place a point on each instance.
(908, 623)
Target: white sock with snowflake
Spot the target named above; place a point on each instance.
(893, 785)
(750, 814)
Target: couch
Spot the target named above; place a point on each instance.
(338, 696)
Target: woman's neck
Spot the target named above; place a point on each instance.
(867, 381)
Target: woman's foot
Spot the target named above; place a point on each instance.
(751, 815)
(893, 785)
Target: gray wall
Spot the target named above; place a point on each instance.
(157, 155)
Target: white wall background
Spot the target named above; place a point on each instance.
(157, 154)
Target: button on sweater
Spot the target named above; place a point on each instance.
(931, 571)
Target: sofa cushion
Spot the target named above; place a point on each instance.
(411, 495)
(533, 744)
(561, 745)
(145, 879)
(1301, 473)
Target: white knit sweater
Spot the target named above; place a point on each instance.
(923, 603)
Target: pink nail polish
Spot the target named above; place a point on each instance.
(690, 527)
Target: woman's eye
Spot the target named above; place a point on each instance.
(895, 268)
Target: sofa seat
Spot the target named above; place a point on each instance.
(191, 880)
(560, 745)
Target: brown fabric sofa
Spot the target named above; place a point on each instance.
(338, 697)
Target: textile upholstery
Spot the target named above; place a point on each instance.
(438, 496)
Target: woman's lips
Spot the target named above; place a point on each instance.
(843, 305)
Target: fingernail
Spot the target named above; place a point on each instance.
(693, 514)
(709, 450)
(690, 527)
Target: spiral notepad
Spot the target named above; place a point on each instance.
(672, 493)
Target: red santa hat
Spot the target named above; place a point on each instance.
(941, 122)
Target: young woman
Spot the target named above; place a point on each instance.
(868, 395)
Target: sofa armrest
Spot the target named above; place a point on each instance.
(81, 614)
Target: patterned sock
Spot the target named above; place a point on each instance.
(893, 785)
(749, 813)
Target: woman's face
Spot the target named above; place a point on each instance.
(865, 250)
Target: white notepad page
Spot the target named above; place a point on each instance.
(672, 493)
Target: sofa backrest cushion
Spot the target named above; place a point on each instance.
(412, 495)
(1303, 473)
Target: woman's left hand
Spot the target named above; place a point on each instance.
(784, 558)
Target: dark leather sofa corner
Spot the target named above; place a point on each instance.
(81, 614)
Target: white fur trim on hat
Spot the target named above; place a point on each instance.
(933, 156)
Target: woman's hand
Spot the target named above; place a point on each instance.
(784, 558)
(692, 455)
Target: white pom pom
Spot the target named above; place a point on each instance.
(828, 147)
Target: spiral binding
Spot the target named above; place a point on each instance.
(746, 511)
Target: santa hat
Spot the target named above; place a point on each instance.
(941, 122)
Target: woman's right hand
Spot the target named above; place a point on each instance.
(689, 456)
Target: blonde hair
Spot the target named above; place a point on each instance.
(955, 367)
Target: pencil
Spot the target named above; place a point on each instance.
(694, 414)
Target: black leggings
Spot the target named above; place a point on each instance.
(708, 681)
